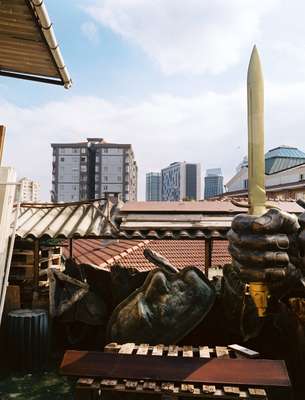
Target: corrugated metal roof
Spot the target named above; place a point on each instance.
(90, 219)
(25, 52)
(140, 221)
(129, 254)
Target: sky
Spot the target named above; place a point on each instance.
(167, 76)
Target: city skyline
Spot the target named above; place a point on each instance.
(132, 87)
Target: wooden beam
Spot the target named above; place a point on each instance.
(2, 138)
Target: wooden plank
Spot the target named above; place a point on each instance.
(167, 387)
(231, 390)
(85, 381)
(244, 351)
(187, 351)
(131, 385)
(172, 351)
(112, 348)
(127, 348)
(257, 392)
(208, 389)
(12, 298)
(222, 352)
(249, 372)
(109, 382)
(87, 389)
(187, 388)
(204, 352)
(143, 349)
(149, 385)
(158, 350)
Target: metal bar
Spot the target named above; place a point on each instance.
(2, 138)
(31, 78)
(36, 263)
(208, 248)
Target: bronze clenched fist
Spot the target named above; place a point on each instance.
(264, 248)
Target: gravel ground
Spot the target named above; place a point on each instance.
(44, 386)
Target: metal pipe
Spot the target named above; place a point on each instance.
(48, 32)
(32, 78)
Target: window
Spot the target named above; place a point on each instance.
(83, 168)
(106, 169)
(120, 169)
(105, 187)
(75, 151)
(245, 183)
(105, 151)
(96, 168)
(106, 178)
(119, 178)
(83, 151)
(301, 177)
(62, 158)
(83, 159)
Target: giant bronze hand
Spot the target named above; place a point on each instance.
(165, 308)
(263, 249)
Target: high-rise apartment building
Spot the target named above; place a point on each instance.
(181, 181)
(213, 183)
(93, 169)
(27, 191)
(153, 186)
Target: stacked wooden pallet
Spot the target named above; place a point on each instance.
(94, 389)
(26, 260)
(28, 273)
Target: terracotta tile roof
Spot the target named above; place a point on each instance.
(129, 253)
(204, 206)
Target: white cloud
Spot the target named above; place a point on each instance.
(209, 128)
(195, 37)
(90, 31)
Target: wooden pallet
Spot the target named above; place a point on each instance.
(94, 389)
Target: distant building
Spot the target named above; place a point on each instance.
(153, 186)
(284, 175)
(28, 191)
(213, 183)
(93, 169)
(181, 181)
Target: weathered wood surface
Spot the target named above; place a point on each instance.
(268, 373)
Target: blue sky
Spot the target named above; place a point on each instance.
(167, 76)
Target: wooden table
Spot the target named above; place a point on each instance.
(132, 371)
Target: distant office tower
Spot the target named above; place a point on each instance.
(93, 169)
(181, 181)
(27, 191)
(153, 186)
(213, 183)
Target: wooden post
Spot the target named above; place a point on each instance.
(2, 138)
(208, 248)
(36, 264)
